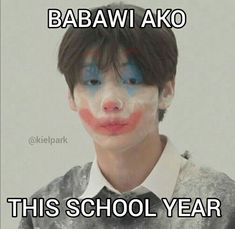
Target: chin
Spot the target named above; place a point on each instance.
(118, 143)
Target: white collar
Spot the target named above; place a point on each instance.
(161, 181)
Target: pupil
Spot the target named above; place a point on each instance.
(93, 82)
(132, 81)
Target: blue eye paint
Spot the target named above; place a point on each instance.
(131, 77)
(91, 78)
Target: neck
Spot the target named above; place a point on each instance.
(128, 169)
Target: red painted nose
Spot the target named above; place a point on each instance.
(110, 106)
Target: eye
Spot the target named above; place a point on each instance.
(131, 81)
(92, 82)
(91, 75)
(131, 75)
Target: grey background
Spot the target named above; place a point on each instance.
(34, 94)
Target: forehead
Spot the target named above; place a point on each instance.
(95, 55)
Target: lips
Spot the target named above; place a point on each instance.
(114, 126)
(110, 126)
(113, 122)
(115, 129)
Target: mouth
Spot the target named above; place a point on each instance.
(115, 129)
(114, 126)
(113, 122)
(110, 126)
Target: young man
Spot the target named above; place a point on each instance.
(121, 81)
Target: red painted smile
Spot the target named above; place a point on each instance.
(110, 126)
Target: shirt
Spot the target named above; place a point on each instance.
(161, 181)
(174, 176)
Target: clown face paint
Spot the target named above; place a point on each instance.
(118, 111)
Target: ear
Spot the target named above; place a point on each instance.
(72, 104)
(166, 95)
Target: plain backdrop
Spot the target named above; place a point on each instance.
(34, 94)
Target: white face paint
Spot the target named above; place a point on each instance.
(118, 112)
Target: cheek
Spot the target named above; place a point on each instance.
(86, 100)
(83, 99)
(146, 100)
(87, 117)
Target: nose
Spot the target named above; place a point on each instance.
(114, 105)
(112, 93)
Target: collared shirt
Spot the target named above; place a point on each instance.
(161, 181)
(171, 177)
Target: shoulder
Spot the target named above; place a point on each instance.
(201, 182)
(72, 183)
(205, 181)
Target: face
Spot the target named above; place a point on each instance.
(117, 110)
